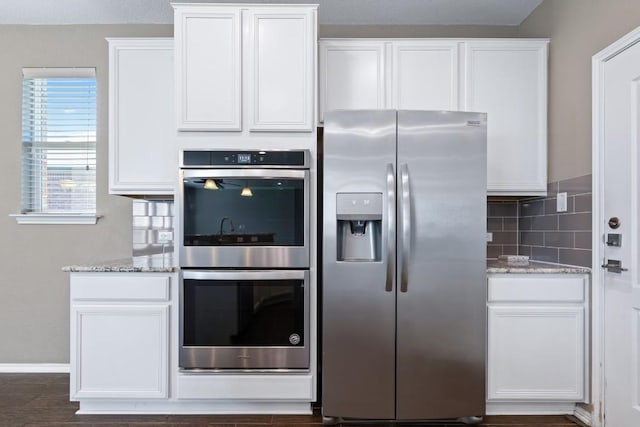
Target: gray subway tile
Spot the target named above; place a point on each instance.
(552, 189)
(575, 222)
(141, 222)
(532, 207)
(524, 224)
(544, 254)
(494, 224)
(524, 250)
(532, 238)
(558, 239)
(509, 250)
(583, 203)
(502, 209)
(494, 251)
(578, 185)
(544, 223)
(510, 224)
(505, 238)
(580, 257)
(551, 205)
(583, 239)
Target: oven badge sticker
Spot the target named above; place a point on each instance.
(294, 339)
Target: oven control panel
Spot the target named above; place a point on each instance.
(212, 159)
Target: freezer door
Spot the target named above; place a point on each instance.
(441, 265)
(358, 289)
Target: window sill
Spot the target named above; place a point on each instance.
(86, 219)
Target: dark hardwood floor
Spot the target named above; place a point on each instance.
(38, 400)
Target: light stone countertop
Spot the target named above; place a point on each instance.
(150, 264)
(534, 267)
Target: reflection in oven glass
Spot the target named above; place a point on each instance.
(240, 313)
(243, 212)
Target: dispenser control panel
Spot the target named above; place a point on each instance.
(359, 206)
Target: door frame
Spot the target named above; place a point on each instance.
(597, 288)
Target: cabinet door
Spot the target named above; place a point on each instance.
(208, 70)
(119, 351)
(508, 80)
(424, 75)
(280, 54)
(142, 144)
(535, 352)
(352, 75)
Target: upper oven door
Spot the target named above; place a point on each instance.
(244, 218)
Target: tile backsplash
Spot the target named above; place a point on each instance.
(150, 219)
(541, 232)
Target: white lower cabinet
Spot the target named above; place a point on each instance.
(537, 338)
(119, 336)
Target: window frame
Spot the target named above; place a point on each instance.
(59, 217)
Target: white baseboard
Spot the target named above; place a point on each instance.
(531, 408)
(34, 368)
(582, 414)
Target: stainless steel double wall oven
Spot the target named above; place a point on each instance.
(244, 256)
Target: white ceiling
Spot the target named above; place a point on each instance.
(337, 12)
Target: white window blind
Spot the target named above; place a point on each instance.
(59, 140)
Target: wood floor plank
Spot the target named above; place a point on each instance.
(42, 400)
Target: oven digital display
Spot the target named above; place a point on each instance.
(244, 158)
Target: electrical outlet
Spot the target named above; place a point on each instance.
(561, 202)
(165, 236)
(489, 237)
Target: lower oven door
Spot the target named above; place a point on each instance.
(244, 319)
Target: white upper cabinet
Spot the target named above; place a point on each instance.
(208, 68)
(280, 66)
(508, 81)
(352, 75)
(506, 78)
(424, 75)
(245, 68)
(143, 152)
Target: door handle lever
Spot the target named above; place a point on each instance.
(614, 266)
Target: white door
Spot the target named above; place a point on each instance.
(281, 68)
(208, 74)
(508, 81)
(619, 191)
(425, 75)
(352, 75)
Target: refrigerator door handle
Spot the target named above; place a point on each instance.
(391, 227)
(406, 226)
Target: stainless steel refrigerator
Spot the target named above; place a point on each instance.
(404, 273)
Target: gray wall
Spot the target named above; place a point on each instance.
(34, 296)
(578, 29)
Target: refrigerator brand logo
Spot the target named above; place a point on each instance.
(473, 123)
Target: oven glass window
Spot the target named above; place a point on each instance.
(243, 212)
(243, 313)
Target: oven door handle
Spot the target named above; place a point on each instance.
(245, 173)
(255, 275)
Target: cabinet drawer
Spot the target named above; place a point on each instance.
(113, 286)
(549, 288)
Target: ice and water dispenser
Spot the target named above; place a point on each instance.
(359, 218)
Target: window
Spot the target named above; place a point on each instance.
(58, 144)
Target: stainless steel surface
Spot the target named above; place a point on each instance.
(434, 367)
(306, 165)
(391, 228)
(246, 256)
(614, 222)
(270, 358)
(441, 319)
(358, 316)
(614, 266)
(405, 214)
